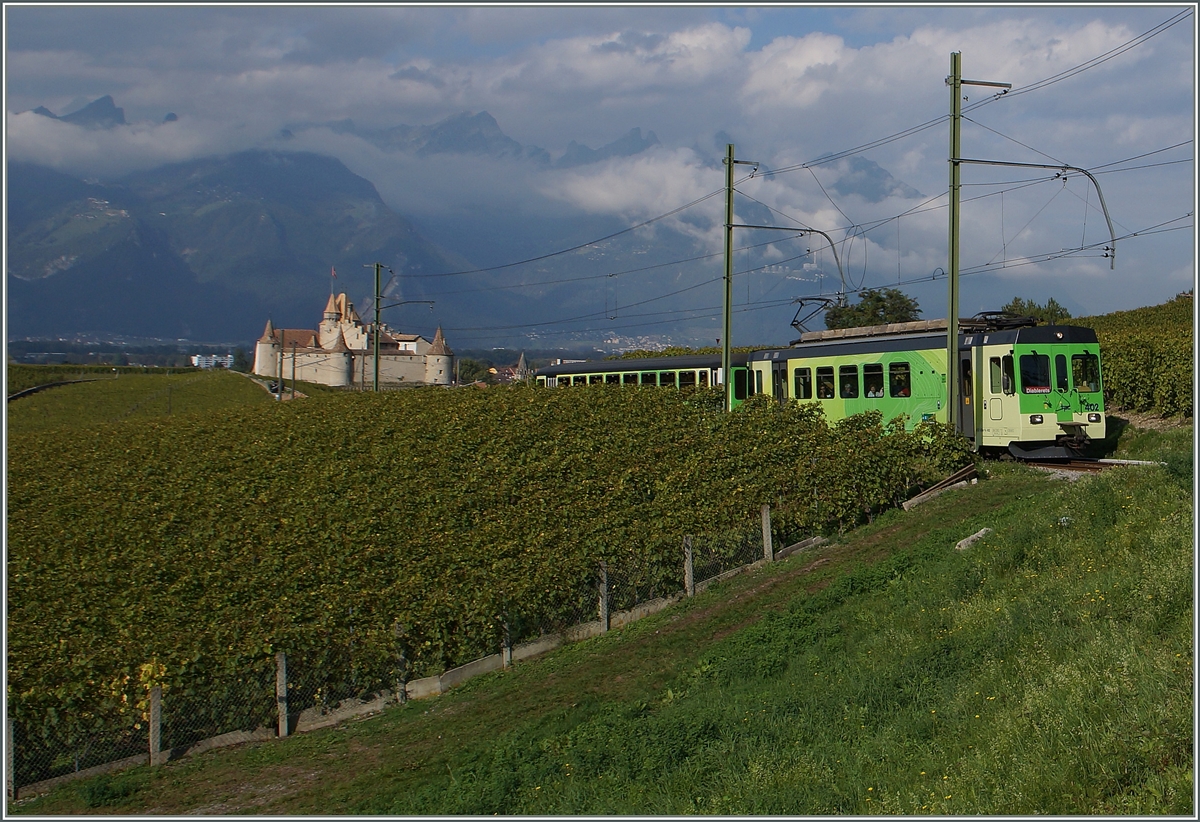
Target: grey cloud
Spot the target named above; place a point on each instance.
(631, 42)
(417, 76)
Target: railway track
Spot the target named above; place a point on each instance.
(1083, 465)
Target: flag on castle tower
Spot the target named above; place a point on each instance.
(333, 272)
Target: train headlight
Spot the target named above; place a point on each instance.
(1093, 418)
(1035, 419)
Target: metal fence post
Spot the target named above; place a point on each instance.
(603, 598)
(156, 755)
(281, 699)
(768, 548)
(689, 580)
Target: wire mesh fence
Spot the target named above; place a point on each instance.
(207, 707)
(325, 679)
(61, 751)
(642, 579)
(714, 554)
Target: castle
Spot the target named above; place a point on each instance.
(341, 352)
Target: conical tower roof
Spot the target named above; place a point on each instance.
(331, 307)
(438, 347)
(268, 333)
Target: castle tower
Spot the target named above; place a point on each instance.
(328, 330)
(266, 353)
(439, 361)
(339, 362)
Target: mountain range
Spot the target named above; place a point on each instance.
(208, 249)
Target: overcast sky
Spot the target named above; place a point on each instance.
(787, 85)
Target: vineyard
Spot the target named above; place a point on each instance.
(418, 524)
(133, 394)
(1147, 355)
(21, 377)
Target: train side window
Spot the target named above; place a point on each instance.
(702, 378)
(965, 384)
(564, 382)
(739, 384)
(1008, 381)
(580, 379)
(612, 379)
(1035, 374)
(687, 379)
(994, 375)
(802, 383)
(629, 379)
(825, 382)
(848, 374)
(873, 379)
(1085, 370)
(758, 382)
(666, 378)
(650, 379)
(899, 379)
(1060, 371)
(595, 379)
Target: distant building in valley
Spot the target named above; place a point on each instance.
(340, 352)
(212, 360)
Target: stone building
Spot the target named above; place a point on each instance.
(340, 352)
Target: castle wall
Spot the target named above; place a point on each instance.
(324, 367)
(393, 368)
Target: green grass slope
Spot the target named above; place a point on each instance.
(1046, 669)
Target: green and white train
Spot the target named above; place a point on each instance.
(1032, 391)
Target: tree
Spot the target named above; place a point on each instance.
(241, 360)
(874, 307)
(1051, 313)
(471, 370)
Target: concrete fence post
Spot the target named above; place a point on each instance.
(768, 548)
(506, 648)
(402, 678)
(156, 754)
(398, 632)
(689, 579)
(603, 598)
(281, 699)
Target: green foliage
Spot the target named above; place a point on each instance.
(1147, 357)
(21, 377)
(1051, 313)
(874, 307)
(242, 360)
(208, 542)
(471, 370)
(128, 394)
